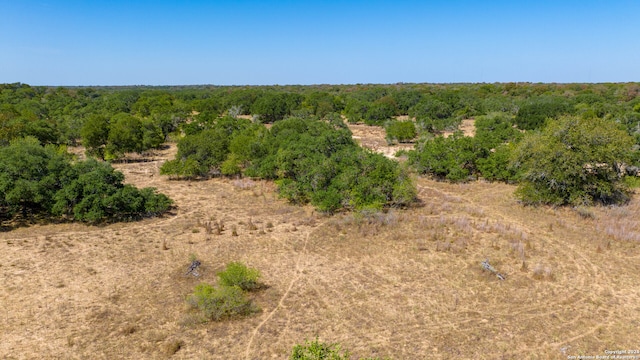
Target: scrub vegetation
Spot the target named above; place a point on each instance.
(365, 212)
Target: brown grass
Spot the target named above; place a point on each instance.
(405, 284)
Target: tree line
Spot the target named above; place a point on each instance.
(310, 154)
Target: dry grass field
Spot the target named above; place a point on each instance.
(406, 284)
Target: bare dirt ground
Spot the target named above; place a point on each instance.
(467, 126)
(373, 137)
(405, 284)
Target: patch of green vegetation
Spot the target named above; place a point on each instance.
(220, 303)
(43, 181)
(318, 350)
(238, 274)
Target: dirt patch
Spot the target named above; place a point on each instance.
(373, 137)
(467, 126)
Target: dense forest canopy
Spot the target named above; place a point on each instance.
(308, 150)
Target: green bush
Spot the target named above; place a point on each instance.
(495, 129)
(534, 112)
(41, 180)
(379, 112)
(96, 193)
(238, 274)
(497, 166)
(317, 350)
(574, 161)
(453, 158)
(400, 131)
(220, 303)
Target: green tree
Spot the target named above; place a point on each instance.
(125, 135)
(37, 180)
(433, 115)
(96, 193)
(574, 161)
(198, 154)
(271, 106)
(453, 158)
(379, 112)
(494, 129)
(95, 134)
(30, 175)
(534, 112)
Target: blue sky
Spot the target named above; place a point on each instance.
(317, 42)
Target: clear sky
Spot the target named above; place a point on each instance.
(317, 42)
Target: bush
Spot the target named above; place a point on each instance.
(453, 158)
(221, 303)
(574, 161)
(238, 274)
(533, 113)
(316, 350)
(96, 193)
(379, 112)
(43, 181)
(497, 166)
(400, 131)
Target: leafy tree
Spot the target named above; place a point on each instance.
(379, 112)
(125, 135)
(574, 161)
(453, 158)
(37, 180)
(406, 99)
(355, 110)
(242, 98)
(321, 103)
(152, 135)
(271, 106)
(497, 166)
(96, 193)
(30, 175)
(311, 161)
(495, 129)
(432, 115)
(95, 134)
(204, 151)
(534, 112)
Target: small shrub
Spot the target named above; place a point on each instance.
(238, 274)
(400, 131)
(316, 350)
(221, 303)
